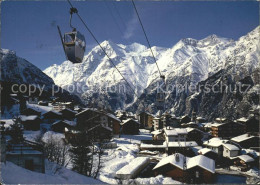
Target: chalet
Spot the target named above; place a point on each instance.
(146, 119)
(194, 134)
(91, 117)
(25, 156)
(199, 169)
(230, 151)
(244, 161)
(60, 125)
(208, 153)
(215, 144)
(185, 119)
(175, 134)
(176, 141)
(130, 126)
(251, 124)
(30, 122)
(157, 123)
(30, 111)
(247, 140)
(227, 130)
(51, 116)
(68, 114)
(100, 132)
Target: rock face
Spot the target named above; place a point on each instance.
(16, 70)
(212, 60)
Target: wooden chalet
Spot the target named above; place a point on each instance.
(228, 129)
(30, 111)
(247, 140)
(146, 119)
(195, 134)
(215, 144)
(245, 162)
(51, 116)
(185, 119)
(100, 133)
(230, 151)
(31, 122)
(91, 117)
(68, 114)
(130, 127)
(199, 169)
(251, 124)
(60, 125)
(208, 153)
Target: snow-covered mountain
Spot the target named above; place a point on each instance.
(189, 59)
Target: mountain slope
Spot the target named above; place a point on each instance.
(189, 61)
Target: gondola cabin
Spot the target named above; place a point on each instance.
(74, 46)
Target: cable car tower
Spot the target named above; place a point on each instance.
(73, 42)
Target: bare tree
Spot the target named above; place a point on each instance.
(57, 151)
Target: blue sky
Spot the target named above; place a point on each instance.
(29, 27)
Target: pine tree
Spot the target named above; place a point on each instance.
(81, 154)
(16, 131)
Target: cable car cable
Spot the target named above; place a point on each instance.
(147, 38)
(102, 48)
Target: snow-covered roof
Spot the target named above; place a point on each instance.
(246, 158)
(230, 146)
(195, 149)
(200, 160)
(189, 129)
(243, 119)
(39, 108)
(28, 118)
(208, 125)
(52, 111)
(251, 152)
(125, 121)
(71, 123)
(203, 162)
(205, 150)
(221, 119)
(101, 125)
(97, 111)
(242, 138)
(69, 110)
(217, 124)
(134, 165)
(175, 131)
(156, 132)
(144, 145)
(182, 144)
(215, 142)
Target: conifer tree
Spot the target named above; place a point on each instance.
(16, 131)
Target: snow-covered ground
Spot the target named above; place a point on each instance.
(13, 174)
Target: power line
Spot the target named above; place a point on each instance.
(146, 38)
(102, 48)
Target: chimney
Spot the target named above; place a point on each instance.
(177, 157)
